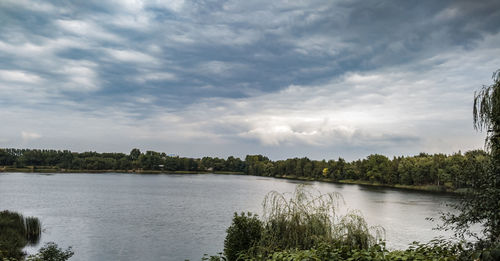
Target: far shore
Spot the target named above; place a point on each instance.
(428, 188)
(137, 171)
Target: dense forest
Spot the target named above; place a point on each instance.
(454, 171)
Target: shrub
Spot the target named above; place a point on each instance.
(435, 250)
(16, 232)
(51, 252)
(244, 232)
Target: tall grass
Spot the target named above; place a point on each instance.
(16, 232)
(299, 220)
(305, 219)
(33, 230)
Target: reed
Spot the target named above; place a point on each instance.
(16, 232)
(307, 218)
(33, 230)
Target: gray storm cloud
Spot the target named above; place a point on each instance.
(320, 79)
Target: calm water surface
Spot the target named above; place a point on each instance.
(178, 217)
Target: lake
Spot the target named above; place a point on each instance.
(178, 217)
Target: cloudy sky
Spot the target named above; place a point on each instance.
(321, 79)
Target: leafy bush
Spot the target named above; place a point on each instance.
(243, 234)
(51, 252)
(438, 250)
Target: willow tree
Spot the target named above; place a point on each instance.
(481, 205)
(486, 115)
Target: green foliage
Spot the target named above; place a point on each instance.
(481, 203)
(150, 160)
(244, 233)
(51, 252)
(302, 220)
(492, 253)
(439, 171)
(307, 218)
(437, 249)
(486, 113)
(431, 251)
(16, 232)
(218, 257)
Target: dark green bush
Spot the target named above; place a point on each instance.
(484, 250)
(51, 252)
(16, 232)
(435, 250)
(243, 234)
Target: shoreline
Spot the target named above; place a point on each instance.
(136, 171)
(424, 188)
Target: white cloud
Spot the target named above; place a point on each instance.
(87, 29)
(19, 76)
(32, 5)
(220, 68)
(174, 5)
(79, 76)
(132, 56)
(318, 45)
(28, 136)
(156, 76)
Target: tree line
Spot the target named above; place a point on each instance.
(455, 171)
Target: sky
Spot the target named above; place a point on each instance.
(321, 79)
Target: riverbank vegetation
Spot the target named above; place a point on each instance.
(436, 172)
(307, 226)
(17, 232)
(302, 220)
(481, 203)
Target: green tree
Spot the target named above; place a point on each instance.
(376, 167)
(134, 154)
(51, 252)
(244, 233)
(482, 203)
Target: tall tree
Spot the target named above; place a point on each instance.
(482, 203)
